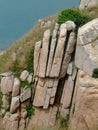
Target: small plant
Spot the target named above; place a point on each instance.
(25, 84)
(95, 73)
(63, 121)
(73, 109)
(75, 15)
(29, 61)
(30, 110)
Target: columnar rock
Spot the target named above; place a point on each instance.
(52, 49)
(26, 94)
(44, 54)
(87, 47)
(24, 75)
(55, 70)
(37, 52)
(88, 3)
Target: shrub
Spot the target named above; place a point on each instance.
(95, 73)
(75, 15)
(30, 110)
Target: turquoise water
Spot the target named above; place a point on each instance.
(18, 16)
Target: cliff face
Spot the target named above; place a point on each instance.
(62, 83)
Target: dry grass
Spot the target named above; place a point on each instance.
(23, 46)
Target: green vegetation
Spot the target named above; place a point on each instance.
(73, 109)
(30, 110)
(25, 84)
(79, 18)
(95, 73)
(15, 68)
(29, 61)
(63, 121)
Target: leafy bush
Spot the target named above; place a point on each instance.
(30, 110)
(95, 73)
(29, 61)
(75, 15)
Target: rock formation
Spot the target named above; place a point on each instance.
(88, 3)
(62, 84)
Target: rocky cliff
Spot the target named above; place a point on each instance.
(64, 86)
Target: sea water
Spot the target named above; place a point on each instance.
(18, 16)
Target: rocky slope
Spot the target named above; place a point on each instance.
(64, 86)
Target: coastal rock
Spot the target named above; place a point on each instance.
(88, 3)
(7, 84)
(26, 94)
(14, 104)
(44, 54)
(24, 75)
(70, 25)
(16, 88)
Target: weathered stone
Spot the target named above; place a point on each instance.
(70, 68)
(7, 84)
(44, 54)
(67, 93)
(14, 104)
(70, 25)
(5, 102)
(22, 124)
(16, 88)
(24, 75)
(23, 113)
(86, 57)
(88, 3)
(47, 118)
(26, 94)
(52, 49)
(71, 43)
(64, 66)
(10, 122)
(37, 51)
(30, 78)
(64, 112)
(55, 71)
(74, 73)
(39, 96)
(47, 98)
(86, 103)
(88, 33)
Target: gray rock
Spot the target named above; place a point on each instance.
(88, 33)
(7, 84)
(24, 75)
(16, 88)
(22, 124)
(55, 71)
(44, 54)
(70, 68)
(26, 94)
(6, 74)
(70, 25)
(88, 3)
(39, 96)
(37, 51)
(15, 103)
(5, 101)
(52, 49)
(86, 57)
(30, 78)
(67, 93)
